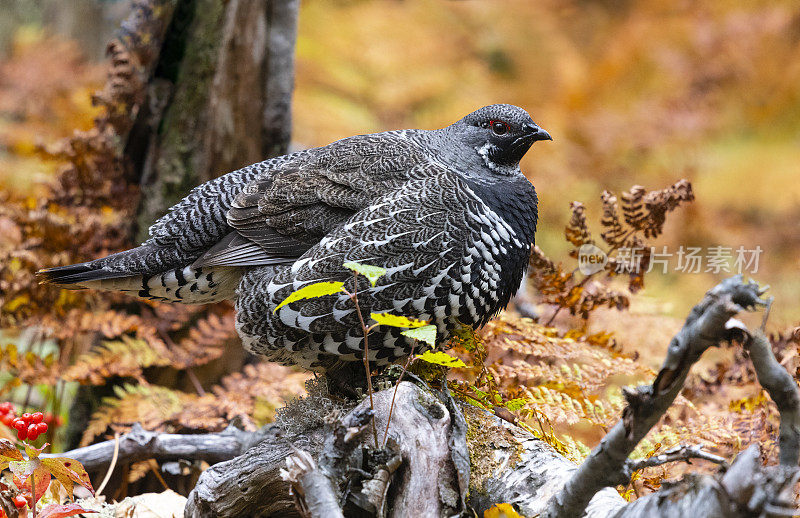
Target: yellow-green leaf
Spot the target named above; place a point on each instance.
(318, 289)
(515, 404)
(33, 452)
(387, 319)
(425, 334)
(372, 273)
(441, 358)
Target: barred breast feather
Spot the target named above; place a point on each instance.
(449, 259)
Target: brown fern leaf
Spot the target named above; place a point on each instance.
(138, 470)
(633, 207)
(577, 231)
(548, 278)
(123, 89)
(173, 317)
(613, 233)
(252, 395)
(539, 262)
(151, 406)
(596, 295)
(125, 358)
(564, 378)
(28, 367)
(658, 203)
(206, 341)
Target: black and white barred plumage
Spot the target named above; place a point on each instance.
(447, 213)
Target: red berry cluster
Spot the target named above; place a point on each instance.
(29, 426)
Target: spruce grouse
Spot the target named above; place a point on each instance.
(447, 213)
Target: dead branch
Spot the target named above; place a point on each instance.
(782, 388)
(439, 451)
(704, 327)
(141, 444)
(679, 453)
(746, 489)
(429, 479)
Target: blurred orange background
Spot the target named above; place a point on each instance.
(633, 93)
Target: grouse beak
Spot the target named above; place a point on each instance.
(534, 133)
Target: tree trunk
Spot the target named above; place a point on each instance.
(219, 98)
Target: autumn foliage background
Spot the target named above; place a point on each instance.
(644, 93)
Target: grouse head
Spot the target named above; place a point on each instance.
(499, 136)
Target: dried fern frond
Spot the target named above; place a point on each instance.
(577, 231)
(206, 341)
(565, 378)
(252, 396)
(613, 233)
(659, 203)
(28, 367)
(633, 207)
(150, 405)
(643, 215)
(125, 357)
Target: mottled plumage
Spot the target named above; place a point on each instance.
(447, 213)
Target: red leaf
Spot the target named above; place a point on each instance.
(42, 477)
(60, 511)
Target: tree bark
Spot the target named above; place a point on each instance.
(220, 98)
(447, 451)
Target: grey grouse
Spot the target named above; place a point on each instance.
(447, 213)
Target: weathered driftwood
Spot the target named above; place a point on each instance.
(746, 489)
(709, 323)
(431, 479)
(782, 389)
(442, 458)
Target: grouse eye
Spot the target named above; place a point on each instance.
(499, 127)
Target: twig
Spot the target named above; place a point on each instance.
(676, 454)
(33, 492)
(164, 334)
(110, 467)
(198, 387)
(763, 327)
(153, 464)
(354, 297)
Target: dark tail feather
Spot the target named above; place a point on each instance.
(77, 274)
